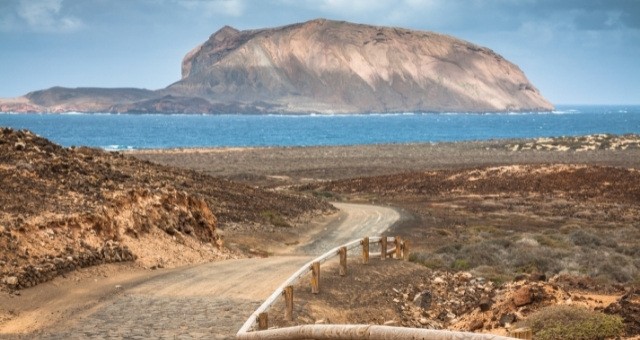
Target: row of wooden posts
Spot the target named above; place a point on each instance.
(401, 251)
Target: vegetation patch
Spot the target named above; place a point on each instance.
(570, 322)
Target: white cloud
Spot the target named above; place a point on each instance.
(46, 16)
(233, 8)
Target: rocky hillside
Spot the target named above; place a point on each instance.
(319, 66)
(325, 65)
(66, 208)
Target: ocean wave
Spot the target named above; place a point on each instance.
(563, 112)
(117, 147)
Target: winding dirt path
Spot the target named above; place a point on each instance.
(206, 301)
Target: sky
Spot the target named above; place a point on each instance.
(573, 51)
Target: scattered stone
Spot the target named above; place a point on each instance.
(522, 296)
(19, 146)
(438, 280)
(475, 325)
(423, 300)
(11, 281)
(507, 319)
(485, 304)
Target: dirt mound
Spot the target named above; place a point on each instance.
(66, 208)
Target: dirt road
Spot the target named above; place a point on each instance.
(359, 221)
(206, 301)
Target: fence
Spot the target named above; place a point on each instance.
(401, 251)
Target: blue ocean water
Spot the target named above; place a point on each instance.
(131, 131)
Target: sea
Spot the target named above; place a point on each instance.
(158, 131)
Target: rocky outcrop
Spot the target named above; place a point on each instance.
(325, 65)
(319, 66)
(67, 208)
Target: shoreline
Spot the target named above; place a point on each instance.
(629, 138)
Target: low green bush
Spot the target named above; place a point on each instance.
(571, 322)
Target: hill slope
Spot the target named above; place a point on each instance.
(319, 66)
(65, 208)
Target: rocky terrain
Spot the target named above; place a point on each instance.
(320, 66)
(68, 208)
(403, 294)
(520, 226)
(269, 167)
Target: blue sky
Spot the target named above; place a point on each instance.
(574, 51)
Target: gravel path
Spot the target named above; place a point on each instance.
(211, 300)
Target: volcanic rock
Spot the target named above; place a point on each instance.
(320, 66)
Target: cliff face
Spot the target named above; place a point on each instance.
(325, 66)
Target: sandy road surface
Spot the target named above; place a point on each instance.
(206, 301)
(360, 221)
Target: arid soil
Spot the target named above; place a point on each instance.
(558, 217)
(210, 300)
(67, 208)
(399, 293)
(565, 209)
(269, 167)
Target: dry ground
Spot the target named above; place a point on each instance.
(564, 208)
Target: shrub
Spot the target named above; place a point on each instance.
(571, 322)
(460, 264)
(275, 219)
(584, 238)
(427, 260)
(483, 253)
(528, 259)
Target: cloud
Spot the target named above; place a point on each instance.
(233, 8)
(46, 16)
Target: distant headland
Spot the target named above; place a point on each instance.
(319, 66)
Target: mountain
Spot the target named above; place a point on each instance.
(320, 66)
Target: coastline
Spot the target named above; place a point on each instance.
(274, 166)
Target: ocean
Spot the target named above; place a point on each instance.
(133, 131)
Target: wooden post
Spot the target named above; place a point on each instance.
(365, 250)
(398, 243)
(405, 250)
(315, 277)
(522, 333)
(383, 248)
(288, 301)
(343, 261)
(263, 321)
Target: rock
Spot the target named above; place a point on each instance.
(424, 321)
(464, 276)
(507, 319)
(438, 280)
(485, 304)
(423, 300)
(475, 325)
(19, 146)
(11, 281)
(523, 296)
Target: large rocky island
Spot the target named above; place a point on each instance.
(320, 66)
